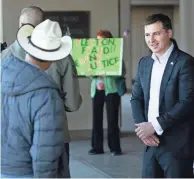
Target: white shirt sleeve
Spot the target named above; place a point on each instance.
(157, 127)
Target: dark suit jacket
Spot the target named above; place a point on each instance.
(176, 101)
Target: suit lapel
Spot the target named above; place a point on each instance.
(167, 73)
(148, 74)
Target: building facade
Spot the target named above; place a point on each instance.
(116, 16)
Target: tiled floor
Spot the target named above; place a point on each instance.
(81, 169)
(128, 165)
(102, 166)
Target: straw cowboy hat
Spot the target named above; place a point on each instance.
(45, 41)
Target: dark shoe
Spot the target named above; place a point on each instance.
(95, 152)
(116, 153)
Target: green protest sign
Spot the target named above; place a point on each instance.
(94, 57)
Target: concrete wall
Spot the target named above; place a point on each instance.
(176, 24)
(187, 26)
(104, 15)
(1, 22)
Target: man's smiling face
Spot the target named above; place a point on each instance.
(157, 38)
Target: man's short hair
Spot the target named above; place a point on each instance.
(164, 19)
(31, 15)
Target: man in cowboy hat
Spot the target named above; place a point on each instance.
(32, 132)
(63, 72)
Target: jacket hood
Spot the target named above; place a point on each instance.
(19, 77)
(17, 51)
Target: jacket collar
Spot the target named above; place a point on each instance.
(17, 51)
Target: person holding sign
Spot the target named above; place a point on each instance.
(105, 89)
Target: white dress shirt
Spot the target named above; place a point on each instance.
(156, 78)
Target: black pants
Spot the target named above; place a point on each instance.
(112, 106)
(158, 163)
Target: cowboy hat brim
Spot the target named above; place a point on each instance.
(23, 39)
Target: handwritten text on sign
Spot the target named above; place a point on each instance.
(95, 57)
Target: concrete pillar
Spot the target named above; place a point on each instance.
(125, 23)
(127, 124)
(187, 26)
(1, 21)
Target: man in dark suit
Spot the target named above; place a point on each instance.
(163, 103)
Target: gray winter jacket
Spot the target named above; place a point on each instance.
(32, 122)
(63, 72)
